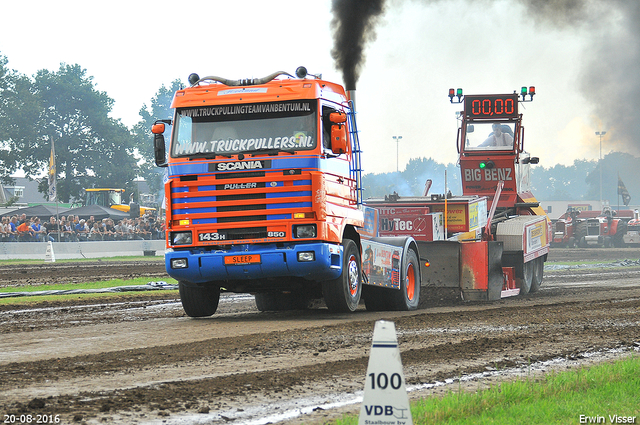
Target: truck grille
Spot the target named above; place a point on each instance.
(240, 234)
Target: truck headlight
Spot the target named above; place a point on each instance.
(305, 231)
(181, 238)
(306, 256)
(179, 263)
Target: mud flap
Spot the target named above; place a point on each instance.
(481, 271)
(515, 260)
(444, 264)
(496, 277)
(473, 267)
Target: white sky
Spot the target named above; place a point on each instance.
(131, 48)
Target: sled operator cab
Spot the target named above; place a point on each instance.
(491, 146)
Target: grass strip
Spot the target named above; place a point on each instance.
(605, 393)
(86, 285)
(591, 262)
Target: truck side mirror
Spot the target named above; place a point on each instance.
(338, 139)
(338, 132)
(158, 144)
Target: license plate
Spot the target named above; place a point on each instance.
(242, 259)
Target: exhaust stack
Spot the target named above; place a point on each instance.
(427, 187)
(351, 96)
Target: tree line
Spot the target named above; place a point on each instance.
(64, 108)
(577, 182)
(94, 150)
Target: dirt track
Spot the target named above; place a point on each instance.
(145, 362)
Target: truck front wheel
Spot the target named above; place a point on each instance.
(199, 301)
(343, 294)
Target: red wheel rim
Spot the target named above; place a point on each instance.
(410, 282)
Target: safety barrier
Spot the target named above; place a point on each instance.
(73, 250)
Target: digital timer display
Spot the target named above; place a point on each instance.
(491, 106)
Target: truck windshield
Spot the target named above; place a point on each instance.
(245, 128)
(489, 136)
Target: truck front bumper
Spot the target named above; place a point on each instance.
(313, 261)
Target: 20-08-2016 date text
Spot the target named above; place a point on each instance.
(31, 419)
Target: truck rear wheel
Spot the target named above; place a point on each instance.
(408, 297)
(343, 294)
(526, 281)
(199, 301)
(538, 274)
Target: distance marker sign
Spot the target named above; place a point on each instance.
(385, 400)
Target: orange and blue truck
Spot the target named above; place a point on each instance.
(263, 195)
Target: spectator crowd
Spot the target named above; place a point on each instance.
(73, 229)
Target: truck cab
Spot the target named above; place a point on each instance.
(263, 188)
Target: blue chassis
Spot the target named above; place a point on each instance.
(276, 261)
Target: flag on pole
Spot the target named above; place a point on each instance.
(52, 175)
(622, 191)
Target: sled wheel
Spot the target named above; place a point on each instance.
(538, 274)
(527, 279)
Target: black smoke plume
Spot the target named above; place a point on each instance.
(610, 74)
(353, 27)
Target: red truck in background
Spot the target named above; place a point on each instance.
(564, 229)
(632, 235)
(584, 229)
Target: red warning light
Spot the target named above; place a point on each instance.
(455, 93)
